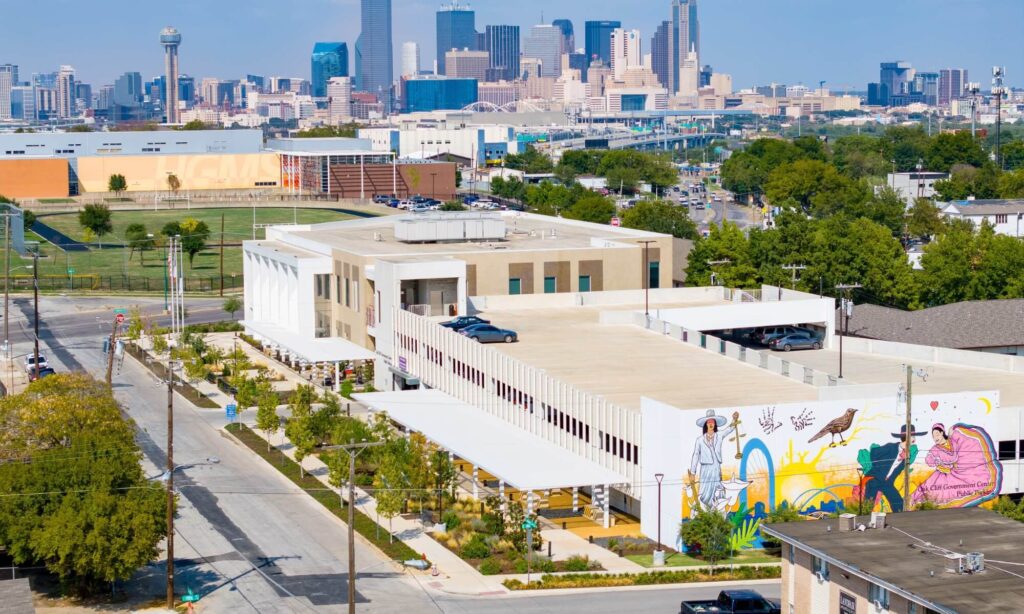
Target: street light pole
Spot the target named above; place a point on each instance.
(170, 483)
(35, 292)
(659, 477)
(844, 312)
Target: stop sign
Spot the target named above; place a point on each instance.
(616, 221)
(120, 318)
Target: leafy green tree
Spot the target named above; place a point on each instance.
(530, 161)
(96, 218)
(708, 533)
(549, 198)
(887, 208)
(194, 234)
(746, 172)
(319, 132)
(581, 161)
(137, 238)
(623, 179)
(325, 417)
(904, 146)
(813, 187)
(965, 181)
(195, 124)
(924, 219)
(299, 427)
(948, 149)
(443, 475)
(390, 482)
(964, 264)
(117, 184)
(1013, 155)
(724, 242)
(173, 183)
(232, 305)
(597, 209)
(171, 229)
(859, 156)
(660, 216)
(1011, 184)
(267, 419)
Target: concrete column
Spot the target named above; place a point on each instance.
(575, 499)
(337, 376)
(606, 500)
(476, 482)
(501, 494)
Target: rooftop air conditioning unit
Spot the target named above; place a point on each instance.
(956, 563)
(847, 522)
(378, 236)
(877, 520)
(975, 562)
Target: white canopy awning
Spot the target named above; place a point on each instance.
(325, 349)
(521, 459)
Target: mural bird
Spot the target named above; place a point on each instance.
(836, 427)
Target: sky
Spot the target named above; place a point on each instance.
(756, 41)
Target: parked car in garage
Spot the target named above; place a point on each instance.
(765, 334)
(461, 322)
(486, 333)
(795, 341)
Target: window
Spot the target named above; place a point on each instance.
(819, 567)
(515, 285)
(348, 293)
(1007, 450)
(584, 283)
(549, 285)
(1001, 218)
(792, 553)
(654, 274)
(911, 608)
(878, 595)
(337, 296)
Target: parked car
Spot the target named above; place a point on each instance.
(30, 362)
(381, 199)
(795, 341)
(732, 602)
(393, 202)
(463, 321)
(766, 334)
(486, 333)
(35, 374)
(420, 208)
(406, 204)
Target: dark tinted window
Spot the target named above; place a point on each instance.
(1007, 450)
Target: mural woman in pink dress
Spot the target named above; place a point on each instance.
(966, 471)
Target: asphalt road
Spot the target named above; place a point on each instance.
(247, 538)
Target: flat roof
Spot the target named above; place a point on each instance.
(910, 554)
(521, 459)
(326, 349)
(860, 368)
(525, 232)
(623, 363)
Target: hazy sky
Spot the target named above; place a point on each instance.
(757, 41)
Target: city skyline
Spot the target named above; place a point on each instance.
(732, 40)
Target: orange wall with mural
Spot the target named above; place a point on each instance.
(34, 178)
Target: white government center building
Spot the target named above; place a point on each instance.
(565, 406)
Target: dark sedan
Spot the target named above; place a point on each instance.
(463, 321)
(485, 333)
(795, 341)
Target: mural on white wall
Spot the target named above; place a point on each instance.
(819, 456)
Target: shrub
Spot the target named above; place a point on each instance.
(451, 520)
(479, 526)
(538, 564)
(452, 543)
(489, 567)
(577, 563)
(707, 533)
(475, 548)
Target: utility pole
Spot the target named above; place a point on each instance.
(793, 268)
(7, 297)
(647, 276)
(906, 440)
(973, 89)
(998, 72)
(170, 483)
(110, 352)
(353, 450)
(35, 292)
(846, 310)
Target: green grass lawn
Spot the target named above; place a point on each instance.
(678, 559)
(117, 262)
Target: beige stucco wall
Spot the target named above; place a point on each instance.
(195, 171)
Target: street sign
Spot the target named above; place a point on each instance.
(530, 524)
(121, 311)
(616, 221)
(120, 318)
(189, 597)
(71, 271)
(232, 411)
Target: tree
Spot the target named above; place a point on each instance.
(707, 534)
(453, 205)
(96, 218)
(100, 520)
(965, 181)
(117, 184)
(344, 131)
(923, 219)
(623, 179)
(390, 482)
(964, 264)
(267, 419)
(530, 161)
(887, 208)
(813, 187)
(904, 146)
(173, 183)
(443, 476)
(948, 149)
(232, 305)
(137, 238)
(859, 156)
(194, 234)
(724, 242)
(299, 428)
(195, 124)
(80, 128)
(1013, 155)
(660, 216)
(1011, 185)
(597, 209)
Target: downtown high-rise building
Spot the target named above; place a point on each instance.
(568, 36)
(660, 53)
(410, 58)
(64, 102)
(683, 39)
(598, 44)
(170, 39)
(456, 29)
(626, 52)
(466, 64)
(8, 79)
(374, 53)
(339, 99)
(952, 83)
(927, 85)
(545, 44)
(503, 47)
(327, 61)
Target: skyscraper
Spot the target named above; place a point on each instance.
(599, 40)
(328, 60)
(410, 58)
(170, 39)
(7, 83)
(626, 51)
(465, 64)
(374, 54)
(503, 45)
(65, 96)
(660, 53)
(684, 37)
(339, 99)
(545, 44)
(927, 84)
(689, 75)
(568, 37)
(456, 29)
(952, 82)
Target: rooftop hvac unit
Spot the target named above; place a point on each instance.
(877, 520)
(956, 563)
(847, 522)
(975, 562)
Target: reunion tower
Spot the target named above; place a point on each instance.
(170, 39)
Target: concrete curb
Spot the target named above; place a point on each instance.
(533, 592)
